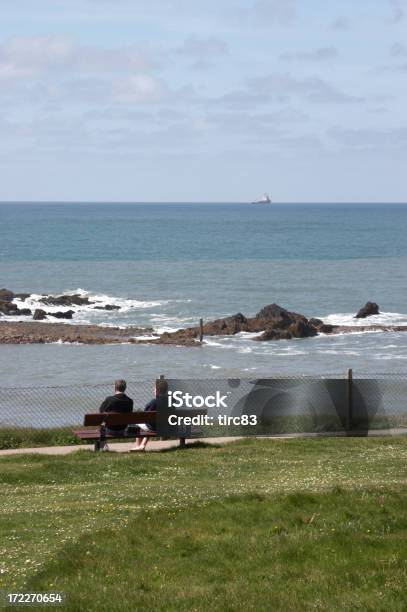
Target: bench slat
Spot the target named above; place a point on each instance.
(89, 434)
(119, 418)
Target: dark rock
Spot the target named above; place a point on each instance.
(183, 337)
(61, 315)
(6, 295)
(24, 312)
(274, 334)
(275, 323)
(302, 329)
(315, 322)
(274, 316)
(7, 307)
(107, 307)
(65, 300)
(39, 315)
(225, 327)
(22, 296)
(326, 329)
(369, 309)
(297, 329)
(10, 309)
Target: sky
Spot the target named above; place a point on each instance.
(203, 100)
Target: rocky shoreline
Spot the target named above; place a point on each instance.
(10, 308)
(21, 332)
(271, 323)
(274, 323)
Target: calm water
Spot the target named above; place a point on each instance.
(167, 265)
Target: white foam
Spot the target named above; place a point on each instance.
(64, 342)
(90, 313)
(384, 318)
(125, 304)
(213, 343)
(150, 337)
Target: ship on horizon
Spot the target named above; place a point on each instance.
(264, 199)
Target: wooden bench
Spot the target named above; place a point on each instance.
(104, 420)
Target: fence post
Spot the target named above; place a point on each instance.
(162, 404)
(200, 330)
(349, 410)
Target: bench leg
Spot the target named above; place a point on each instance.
(182, 442)
(99, 444)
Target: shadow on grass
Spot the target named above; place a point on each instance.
(190, 446)
(197, 557)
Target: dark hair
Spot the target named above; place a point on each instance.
(120, 385)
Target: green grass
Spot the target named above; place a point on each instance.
(30, 437)
(294, 524)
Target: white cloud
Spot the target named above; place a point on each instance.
(57, 68)
(37, 52)
(35, 56)
(137, 89)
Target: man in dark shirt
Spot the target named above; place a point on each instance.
(119, 402)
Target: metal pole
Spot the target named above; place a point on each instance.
(349, 412)
(200, 330)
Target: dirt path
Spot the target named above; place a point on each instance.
(154, 446)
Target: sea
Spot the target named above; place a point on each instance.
(166, 265)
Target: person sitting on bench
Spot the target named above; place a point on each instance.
(141, 441)
(119, 402)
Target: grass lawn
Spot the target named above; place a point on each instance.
(298, 524)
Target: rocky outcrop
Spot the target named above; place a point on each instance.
(6, 303)
(22, 296)
(275, 323)
(225, 327)
(320, 326)
(24, 312)
(296, 329)
(369, 309)
(10, 309)
(61, 315)
(281, 324)
(6, 295)
(272, 323)
(37, 332)
(39, 314)
(65, 300)
(107, 307)
(8, 306)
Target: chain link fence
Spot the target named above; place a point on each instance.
(42, 416)
(322, 404)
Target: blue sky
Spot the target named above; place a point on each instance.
(176, 100)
